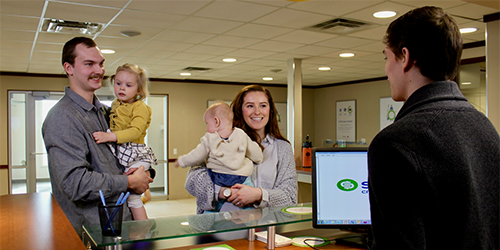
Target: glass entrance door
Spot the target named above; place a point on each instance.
(28, 166)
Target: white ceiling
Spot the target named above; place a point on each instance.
(261, 34)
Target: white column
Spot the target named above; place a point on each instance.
(294, 107)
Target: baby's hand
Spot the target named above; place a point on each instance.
(102, 137)
(176, 164)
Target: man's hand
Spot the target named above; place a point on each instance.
(138, 182)
(102, 137)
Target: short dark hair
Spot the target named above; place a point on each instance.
(68, 54)
(433, 38)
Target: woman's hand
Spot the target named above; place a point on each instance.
(244, 195)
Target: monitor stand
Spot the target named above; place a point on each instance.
(361, 240)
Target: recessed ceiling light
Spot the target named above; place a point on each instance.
(348, 54)
(229, 60)
(185, 74)
(107, 51)
(267, 78)
(466, 83)
(467, 30)
(384, 14)
(324, 68)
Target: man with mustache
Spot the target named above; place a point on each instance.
(79, 167)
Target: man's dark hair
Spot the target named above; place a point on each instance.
(68, 54)
(433, 38)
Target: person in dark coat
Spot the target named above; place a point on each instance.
(434, 173)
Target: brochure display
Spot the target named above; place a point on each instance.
(346, 121)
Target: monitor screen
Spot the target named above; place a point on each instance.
(340, 188)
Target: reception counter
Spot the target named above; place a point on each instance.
(35, 221)
(234, 229)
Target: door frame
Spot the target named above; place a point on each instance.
(30, 166)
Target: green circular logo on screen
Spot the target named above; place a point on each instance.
(347, 185)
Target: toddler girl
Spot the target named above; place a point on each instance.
(130, 117)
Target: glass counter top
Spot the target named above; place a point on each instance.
(200, 224)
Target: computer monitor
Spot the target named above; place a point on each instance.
(340, 191)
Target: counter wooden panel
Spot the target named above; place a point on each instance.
(35, 221)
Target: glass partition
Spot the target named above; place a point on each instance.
(200, 224)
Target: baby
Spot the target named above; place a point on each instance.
(229, 152)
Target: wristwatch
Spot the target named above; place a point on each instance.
(227, 192)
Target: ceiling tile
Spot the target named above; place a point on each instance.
(126, 44)
(209, 50)
(345, 42)
(334, 8)
(101, 3)
(376, 33)
(311, 50)
(183, 36)
(274, 46)
(367, 13)
(24, 55)
(146, 32)
(250, 53)
(231, 41)
(262, 34)
(6, 46)
(189, 56)
(152, 53)
(147, 19)
(472, 11)
(205, 25)
(443, 4)
(235, 11)
(167, 46)
(304, 36)
(18, 35)
(258, 31)
(184, 7)
(292, 19)
(18, 22)
(22, 7)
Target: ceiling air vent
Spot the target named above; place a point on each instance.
(198, 69)
(340, 26)
(63, 26)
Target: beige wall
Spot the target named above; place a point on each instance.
(367, 96)
(188, 101)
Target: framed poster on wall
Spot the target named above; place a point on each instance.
(346, 120)
(388, 111)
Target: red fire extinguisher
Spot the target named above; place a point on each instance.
(306, 153)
